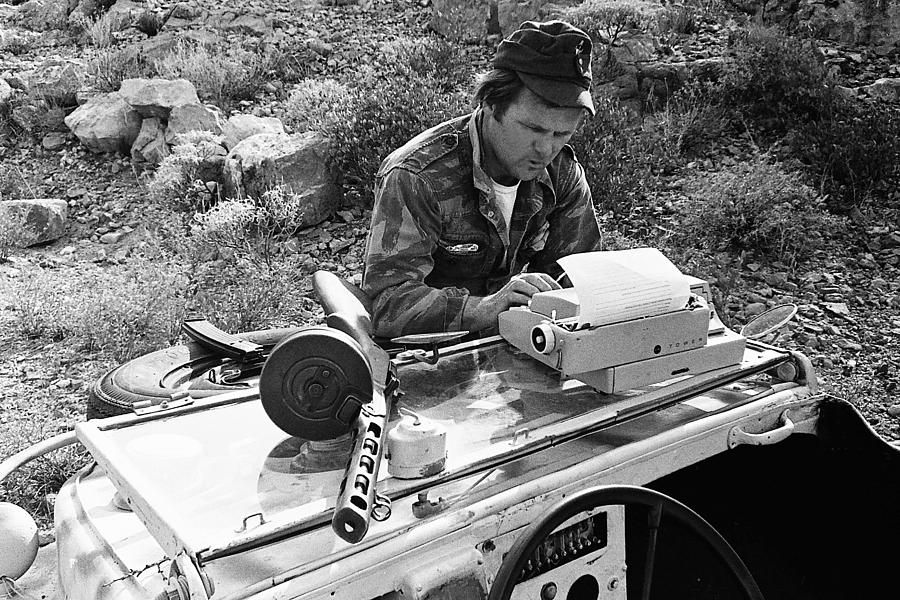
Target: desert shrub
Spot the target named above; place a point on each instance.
(415, 85)
(432, 59)
(618, 158)
(9, 130)
(853, 152)
(98, 29)
(223, 75)
(688, 123)
(385, 106)
(238, 295)
(121, 312)
(178, 182)
(380, 123)
(250, 229)
(150, 22)
(108, 67)
(774, 80)
(755, 208)
(32, 487)
(291, 61)
(679, 19)
(315, 103)
(605, 21)
(780, 84)
(10, 234)
(13, 184)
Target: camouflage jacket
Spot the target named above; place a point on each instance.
(437, 235)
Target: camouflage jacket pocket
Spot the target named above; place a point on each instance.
(461, 257)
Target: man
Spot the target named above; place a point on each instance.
(465, 207)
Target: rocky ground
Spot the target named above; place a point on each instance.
(848, 296)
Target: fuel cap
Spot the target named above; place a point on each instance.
(314, 382)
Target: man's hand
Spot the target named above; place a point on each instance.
(481, 312)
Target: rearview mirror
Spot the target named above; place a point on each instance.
(768, 321)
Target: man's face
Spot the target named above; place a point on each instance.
(521, 143)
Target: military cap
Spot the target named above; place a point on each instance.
(553, 60)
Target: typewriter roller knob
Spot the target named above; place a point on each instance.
(542, 338)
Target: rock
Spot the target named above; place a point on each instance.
(123, 13)
(296, 163)
(755, 308)
(150, 146)
(54, 141)
(158, 46)
(894, 410)
(320, 47)
(240, 127)
(886, 88)
(56, 81)
(44, 15)
(849, 346)
(192, 117)
(157, 97)
(186, 11)
(256, 25)
(339, 245)
(6, 93)
(24, 223)
(84, 9)
(838, 308)
(105, 124)
(112, 237)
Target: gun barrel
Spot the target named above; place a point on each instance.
(356, 499)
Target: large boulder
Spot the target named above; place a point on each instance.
(157, 97)
(105, 123)
(44, 15)
(240, 127)
(123, 13)
(296, 163)
(56, 80)
(886, 88)
(25, 223)
(192, 117)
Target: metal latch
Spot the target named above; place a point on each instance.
(154, 405)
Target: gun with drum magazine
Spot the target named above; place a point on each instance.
(326, 382)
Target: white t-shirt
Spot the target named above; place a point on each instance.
(506, 199)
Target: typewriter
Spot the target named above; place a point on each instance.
(630, 320)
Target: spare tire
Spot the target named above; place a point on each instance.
(186, 367)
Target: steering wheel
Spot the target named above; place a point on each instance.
(513, 568)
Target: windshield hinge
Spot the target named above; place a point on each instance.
(154, 405)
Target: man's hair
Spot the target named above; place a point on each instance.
(499, 88)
